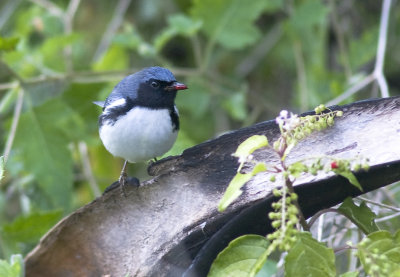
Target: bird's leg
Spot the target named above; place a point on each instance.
(122, 178)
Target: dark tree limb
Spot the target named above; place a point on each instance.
(170, 224)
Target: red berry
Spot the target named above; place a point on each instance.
(334, 165)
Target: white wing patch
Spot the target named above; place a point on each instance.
(116, 103)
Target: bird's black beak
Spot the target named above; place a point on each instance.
(176, 86)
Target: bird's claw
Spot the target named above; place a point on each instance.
(122, 182)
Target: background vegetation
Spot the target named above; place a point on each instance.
(243, 61)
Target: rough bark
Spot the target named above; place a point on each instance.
(170, 224)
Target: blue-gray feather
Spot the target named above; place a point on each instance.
(128, 86)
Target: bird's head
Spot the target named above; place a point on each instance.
(152, 87)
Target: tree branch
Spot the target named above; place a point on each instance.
(170, 224)
(119, 12)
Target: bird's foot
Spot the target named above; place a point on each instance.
(122, 182)
(129, 181)
(152, 161)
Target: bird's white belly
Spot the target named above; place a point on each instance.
(140, 135)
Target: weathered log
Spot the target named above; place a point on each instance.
(170, 224)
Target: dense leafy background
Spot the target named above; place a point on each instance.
(243, 61)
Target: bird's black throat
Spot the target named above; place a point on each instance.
(114, 113)
(147, 97)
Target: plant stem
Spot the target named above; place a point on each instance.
(346, 247)
(302, 219)
(318, 214)
(289, 185)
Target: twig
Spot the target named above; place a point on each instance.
(301, 75)
(377, 74)
(72, 8)
(14, 125)
(85, 77)
(7, 10)
(12, 72)
(196, 50)
(315, 217)
(379, 204)
(248, 64)
(87, 168)
(320, 228)
(387, 217)
(6, 86)
(289, 185)
(380, 56)
(112, 27)
(345, 247)
(341, 41)
(67, 20)
(50, 6)
(355, 88)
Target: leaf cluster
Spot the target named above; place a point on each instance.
(378, 252)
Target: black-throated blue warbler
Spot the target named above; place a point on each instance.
(140, 120)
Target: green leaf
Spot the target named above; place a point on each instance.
(259, 167)
(268, 269)
(239, 257)
(395, 273)
(129, 38)
(182, 143)
(1, 167)
(350, 177)
(41, 92)
(233, 191)
(8, 44)
(30, 228)
(8, 100)
(350, 274)
(184, 25)
(380, 251)
(305, 16)
(250, 145)
(245, 149)
(14, 268)
(308, 257)
(236, 106)
(178, 24)
(274, 5)
(362, 215)
(52, 49)
(229, 22)
(41, 143)
(79, 100)
(297, 168)
(362, 49)
(197, 102)
(116, 58)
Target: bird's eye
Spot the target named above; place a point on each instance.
(155, 84)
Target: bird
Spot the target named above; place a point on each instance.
(139, 119)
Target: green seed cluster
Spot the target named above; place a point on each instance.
(338, 165)
(304, 126)
(317, 122)
(376, 263)
(284, 220)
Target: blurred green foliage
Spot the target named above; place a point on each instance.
(242, 60)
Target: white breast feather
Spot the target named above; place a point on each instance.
(140, 135)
